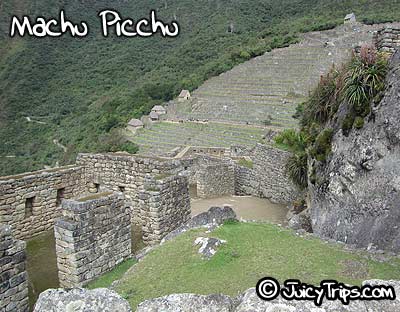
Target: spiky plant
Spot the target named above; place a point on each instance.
(297, 169)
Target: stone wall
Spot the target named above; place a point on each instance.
(216, 178)
(124, 173)
(387, 39)
(267, 178)
(30, 202)
(92, 237)
(13, 276)
(164, 206)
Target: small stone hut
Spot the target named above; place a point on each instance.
(135, 124)
(350, 19)
(154, 116)
(160, 110)
(184, 95)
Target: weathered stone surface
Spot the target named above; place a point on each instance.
(267, 178)
(250, 302)
(45, 189)
(92, 237)
(301, 221)
(81, 300)
(214, 217)
(208, 246)
(357, 201)
(13, 277)
(188, 303)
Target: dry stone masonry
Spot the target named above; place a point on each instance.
(215, 179)
(30, 202)
(92, 237)
(124, 173)
(388, 39)
(13, 276)
(267, 178)
(164, 206)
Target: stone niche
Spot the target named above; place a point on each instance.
(92, 237)
(164, 206)
(13, 276)
(30, 202)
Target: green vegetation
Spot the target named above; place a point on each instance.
(78, 90)
(252, 251)
(106, 280)
(357, 86)
(246, 163)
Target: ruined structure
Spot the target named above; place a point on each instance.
(388, 39)
(30, 202)
(13, 276)
(92, 237)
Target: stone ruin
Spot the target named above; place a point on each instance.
(13, 276)
(387, 39)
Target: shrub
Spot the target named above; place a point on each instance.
(359, 123)
(324, 101)
(364, 80)
(323, 145)
(291, 140)
(297, 169)
(348, 123)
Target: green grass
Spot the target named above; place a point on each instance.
(252, 251)
(106, 280)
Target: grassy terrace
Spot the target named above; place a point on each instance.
(252, 251)
(165, 136)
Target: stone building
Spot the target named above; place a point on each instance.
(350, 19)
(184, 95)
(154, 116)
(387, 39)
(160, 110)
(135, 124)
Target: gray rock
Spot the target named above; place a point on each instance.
(301, 221)
(250, 302)
(214, 217)
(81, 300)
(357, 199)
(188, 303)
(208, 246)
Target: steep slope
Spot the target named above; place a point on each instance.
(358, 202)
(81, 89)
(268, 88)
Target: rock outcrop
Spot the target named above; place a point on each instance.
(250, 302)
(358, 201)
(81, 300)
(208, 246)
(214, 217)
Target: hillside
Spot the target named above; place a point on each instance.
(76, 91)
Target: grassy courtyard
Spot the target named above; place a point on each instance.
(252, 251)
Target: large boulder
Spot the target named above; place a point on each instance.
(188, 303)
(357, 201)
(250, 302)
(81, 300)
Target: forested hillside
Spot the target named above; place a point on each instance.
(77, 92)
